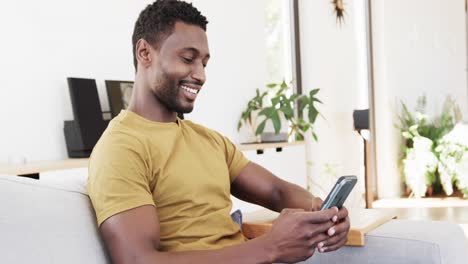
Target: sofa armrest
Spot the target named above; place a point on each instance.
(404, 241)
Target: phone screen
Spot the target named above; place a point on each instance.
(340, 192)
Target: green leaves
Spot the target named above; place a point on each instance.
(419, 124)
(270, 113)
(272, 85)
(288, 111)
(313, 112)
(254, 104)
(267, 111)
(313, 92)
(282, 102)
(276, 121)
(260, 127)
(314, 136)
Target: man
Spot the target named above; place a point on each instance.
(161, 186)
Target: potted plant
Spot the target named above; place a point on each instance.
(276, 104)
(428, 155)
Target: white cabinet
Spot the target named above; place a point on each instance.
(288, 164)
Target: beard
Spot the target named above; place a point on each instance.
(167, 92)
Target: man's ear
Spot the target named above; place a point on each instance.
(143, 53)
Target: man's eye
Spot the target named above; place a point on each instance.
(187, 60)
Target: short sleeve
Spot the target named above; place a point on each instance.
(118, 176)
(235, 159)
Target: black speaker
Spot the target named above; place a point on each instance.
(83, 132)
(361, 119)
(75, 146)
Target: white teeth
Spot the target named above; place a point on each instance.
(188, 89)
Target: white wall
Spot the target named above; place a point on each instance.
(419, 48)
(43, 42)
(334, 59)
(237, 65)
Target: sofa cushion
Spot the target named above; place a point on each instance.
(69, 179)
(42, 222)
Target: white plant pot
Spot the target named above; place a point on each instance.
(272, 137)
(269, 134)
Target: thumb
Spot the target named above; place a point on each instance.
(291, 210)
(321, 216)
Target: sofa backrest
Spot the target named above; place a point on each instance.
(45, 224)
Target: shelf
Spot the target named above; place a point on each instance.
(42, 166)
(262, 146)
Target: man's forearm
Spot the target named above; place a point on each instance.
(257, 185)
(253, 251)
(293, 196)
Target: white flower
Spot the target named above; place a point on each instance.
(462, 171)
(453, 156)
(458, 135)
(421, 116)
(419, 163)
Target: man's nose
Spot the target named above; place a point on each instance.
(198, 73)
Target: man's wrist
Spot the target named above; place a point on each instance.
(267, 248)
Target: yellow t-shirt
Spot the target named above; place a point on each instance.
(183, 169)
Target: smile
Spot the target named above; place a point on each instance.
(190, 90)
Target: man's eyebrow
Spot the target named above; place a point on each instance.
(195, 51)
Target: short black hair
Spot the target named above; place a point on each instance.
(156, 21)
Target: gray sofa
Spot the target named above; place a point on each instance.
(51, 221)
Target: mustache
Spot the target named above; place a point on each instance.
(191, 82)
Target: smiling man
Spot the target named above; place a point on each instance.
(161, 186)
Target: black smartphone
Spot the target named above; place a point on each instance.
(340, 192)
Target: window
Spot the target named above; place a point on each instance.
(278, 40)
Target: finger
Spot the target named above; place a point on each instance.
(331, 241)
(342, 213)
(319, 216)
(342, 227)
(335, 246)
(316, 204)
(317, 239)
(287, 211)
(291, 210)
(323, 227)
(314, 230)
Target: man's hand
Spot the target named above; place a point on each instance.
(338, 233)
(316, 204)
(295, 233)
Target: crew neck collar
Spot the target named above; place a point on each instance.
(142, 119)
